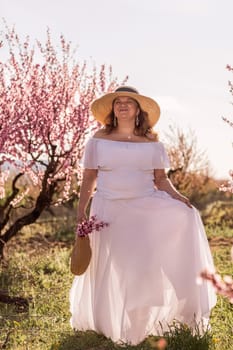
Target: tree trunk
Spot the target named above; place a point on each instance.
(2, 245)
(17, 226)
(22, 304)
(42, 202)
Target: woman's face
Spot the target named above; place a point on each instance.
(125, 108)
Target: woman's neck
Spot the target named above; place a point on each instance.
(125, 130)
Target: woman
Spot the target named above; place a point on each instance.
(143, 271)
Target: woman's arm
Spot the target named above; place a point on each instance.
(163, 183)
(87, 187)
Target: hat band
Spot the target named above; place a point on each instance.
(126, 89)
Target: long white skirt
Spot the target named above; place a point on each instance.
(143, 270)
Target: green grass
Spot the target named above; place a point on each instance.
(38, 269)
(214, 231)
(222, 315)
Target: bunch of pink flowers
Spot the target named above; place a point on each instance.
(228, 187)
(88, 226)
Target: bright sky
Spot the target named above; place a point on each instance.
(174, 51)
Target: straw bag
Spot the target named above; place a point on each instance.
(80, 255)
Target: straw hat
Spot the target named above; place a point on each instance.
(102, 106)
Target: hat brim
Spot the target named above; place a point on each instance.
(102, 106)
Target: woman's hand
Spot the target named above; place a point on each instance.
(164, 184)
(81, 217)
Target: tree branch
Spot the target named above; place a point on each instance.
(3, 207)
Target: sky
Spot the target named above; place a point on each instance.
(174, 51)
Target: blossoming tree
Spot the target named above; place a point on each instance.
(44, 122)
(223, 286)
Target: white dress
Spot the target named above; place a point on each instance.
(144, 267)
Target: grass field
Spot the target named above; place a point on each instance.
(37, 268)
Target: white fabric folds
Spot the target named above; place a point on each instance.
(145, 263)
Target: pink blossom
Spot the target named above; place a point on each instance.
(161, 344)
(44, 110)
(19, 198)
(3, 178)
(230, 68)
(45, 121)
(88, 226)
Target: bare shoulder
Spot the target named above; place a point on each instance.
(100, 133)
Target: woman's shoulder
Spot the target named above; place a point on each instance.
(101, 133)
(153, 137)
